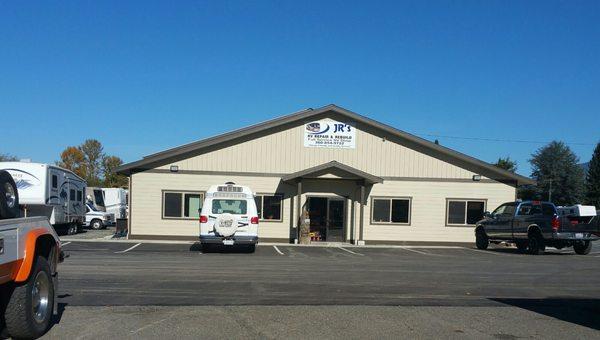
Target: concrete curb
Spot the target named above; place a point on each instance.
(270, 244)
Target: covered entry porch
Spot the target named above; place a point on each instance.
(330, 203)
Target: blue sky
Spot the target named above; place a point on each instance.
(142, 76)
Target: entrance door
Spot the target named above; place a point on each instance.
(335, 220)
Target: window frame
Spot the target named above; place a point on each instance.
(390, 198)
(182, 193)
(466, 200)
(262, 204)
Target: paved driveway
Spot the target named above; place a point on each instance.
(173, 289)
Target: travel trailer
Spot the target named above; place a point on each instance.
(115, 201)
(95, 197)
(50, 191)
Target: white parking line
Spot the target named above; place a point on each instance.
(415, 251)
(279, 251)
(64, 244)
(350, 251)
(128, 249)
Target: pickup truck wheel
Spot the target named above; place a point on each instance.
(29, 310)
(535, 244)
(521, 245)
(96, 224)
(481, 239)
(9, 196)
(582, 247)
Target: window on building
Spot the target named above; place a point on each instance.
(54, 181)
(269, 207)
(182, 204)
(391, 210)
(464, 212)
(72, 195)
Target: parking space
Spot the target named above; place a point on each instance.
(107, 276)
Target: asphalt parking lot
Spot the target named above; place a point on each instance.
(164, 290)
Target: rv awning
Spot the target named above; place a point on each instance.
(333, 170)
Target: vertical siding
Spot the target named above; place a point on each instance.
(428, 208)
(284, 152)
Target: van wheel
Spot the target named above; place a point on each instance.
(582, 247)
(29, 309)
(9, 196)
(535, 244)
(251, 248)
(96, 224)
(481, 239)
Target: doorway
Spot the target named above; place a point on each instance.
(327, 220)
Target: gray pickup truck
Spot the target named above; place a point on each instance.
(533, 225)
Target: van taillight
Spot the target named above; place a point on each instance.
(555, 223)
(203, 219)
(254, 220)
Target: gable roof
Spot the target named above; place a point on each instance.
(438, 151)
(329, 166)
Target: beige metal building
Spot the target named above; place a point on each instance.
(359, 181)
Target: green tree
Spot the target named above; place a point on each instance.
(7, 158)
(73, 159)
(559, 178)
(111, 178)
(93, 153)
(506, 164)
(593, 180)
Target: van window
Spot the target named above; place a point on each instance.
(54, 181)
(224, 206)
(98, 198)
(79, 195)
(72, 195)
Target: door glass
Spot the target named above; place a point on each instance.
(336, 221)
(317, 212)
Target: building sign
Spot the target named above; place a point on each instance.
(330, 134)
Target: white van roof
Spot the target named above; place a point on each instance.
(229, 190)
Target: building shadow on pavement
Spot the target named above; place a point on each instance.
(583, 312)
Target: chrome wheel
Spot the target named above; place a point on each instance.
(11, 196)
(40, 296)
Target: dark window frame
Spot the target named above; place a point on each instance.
(466, 200)
(54, 179)
(262, 200)
(390, 198)
(182, 193)
(72, 195)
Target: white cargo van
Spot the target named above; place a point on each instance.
(50, 191)
(229, 217)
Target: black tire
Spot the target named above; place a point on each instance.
(535, 243)
(96, 224)
(22, 320)
(251, 248)
(9, 196)
(481, 239)
(582, 247)
(521, 246)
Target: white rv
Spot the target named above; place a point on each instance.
(95, 197)
(115, 201)
(50, 191)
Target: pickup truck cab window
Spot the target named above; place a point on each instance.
(507, 209)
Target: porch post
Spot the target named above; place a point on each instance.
(361, 239)
(298, 209)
